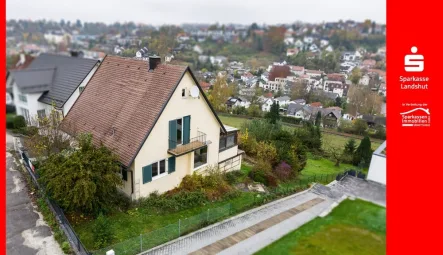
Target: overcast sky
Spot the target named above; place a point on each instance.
(159, 12)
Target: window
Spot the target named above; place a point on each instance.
(200, 157)
(22, 98)
(179, 131)
(25, 114)
(41, 114)
(183, 92)
(80, 89)
(228, 141)
(124, 175)
(158, 168)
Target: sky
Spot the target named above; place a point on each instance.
(159, 12)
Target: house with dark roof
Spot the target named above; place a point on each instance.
(157, 119)
(50, 80)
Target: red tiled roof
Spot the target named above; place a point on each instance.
(297, 68)
(28, 61)
(205, 85)
(315, 104)
(122, 102)
(369, 62)
(314, 71)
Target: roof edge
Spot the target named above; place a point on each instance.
(166, 103)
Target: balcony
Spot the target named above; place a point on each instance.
(195, 143)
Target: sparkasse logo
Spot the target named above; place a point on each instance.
(414, 62)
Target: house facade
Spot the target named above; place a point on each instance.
(164, 133)
(50, 80)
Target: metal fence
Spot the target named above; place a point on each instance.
(170, 232)
(75, 242)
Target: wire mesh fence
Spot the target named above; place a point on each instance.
(170, 232)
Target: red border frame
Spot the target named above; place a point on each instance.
(413, 157)
(3, 120)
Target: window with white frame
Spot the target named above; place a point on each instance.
(41, 114)
(158, 168)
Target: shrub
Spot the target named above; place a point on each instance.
(260, 171)
(10, 121)
(291, 120)
(19, 122)
(66, 248)
(233, 177)
(102, 232)
(240, 110)
(271, 180)
(283, 171)
(267, 151)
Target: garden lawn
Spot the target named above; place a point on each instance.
(323, 166)
(353, 227)
(327, 139)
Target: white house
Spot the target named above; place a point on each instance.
(297, 70)
(377, 168)
(299, 44)
(283, 100)
(50, 80)
(308, 39)
(233, 102)
(336, 87)
(162, 126)
(364, 80)
(266, 103)
(324, 43)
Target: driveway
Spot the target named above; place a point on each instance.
(27, 233)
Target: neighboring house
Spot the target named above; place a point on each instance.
(331, 117)
(23, 62)
(297, 70)
(50, 80)
(299, 101)
(296, 110)
(266, 104)
(291, 51)
(313, 73)
(336, 87)
(351, 56)
(283, 100)
(364, 80)
(299, 44)
(377, 168)
(246, 76)
(205, 86)
(316, 104)
(233, 102)
(368, 63)
(324, 43)
(158, 130)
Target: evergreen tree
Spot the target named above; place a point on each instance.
(318, 119)
(338, 102)
(273, 115)
(350, 146)
(363, 153)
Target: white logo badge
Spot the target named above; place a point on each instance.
(414, 62)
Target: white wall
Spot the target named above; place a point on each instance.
(32, 104)
(70, 102)
(377, 169)
(155, 147)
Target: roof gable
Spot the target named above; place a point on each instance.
(69, 74)
(123, 101)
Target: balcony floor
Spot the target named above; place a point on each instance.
(186, 148)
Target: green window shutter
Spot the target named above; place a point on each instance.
(172, 134)
(171, 165)
(147, 174)
(186, 129)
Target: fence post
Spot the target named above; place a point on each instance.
(141, 243)
(179, 223)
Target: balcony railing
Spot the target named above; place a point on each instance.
(194, 143)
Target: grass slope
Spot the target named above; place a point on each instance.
(354, 227)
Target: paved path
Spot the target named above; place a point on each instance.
(27, 233)
(250, 231)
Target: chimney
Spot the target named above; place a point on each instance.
(154, 61)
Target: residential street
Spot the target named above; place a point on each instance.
(27, 233)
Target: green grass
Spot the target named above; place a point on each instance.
(323, 166)
(130, 224)
(328, 139)
(354, 227)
